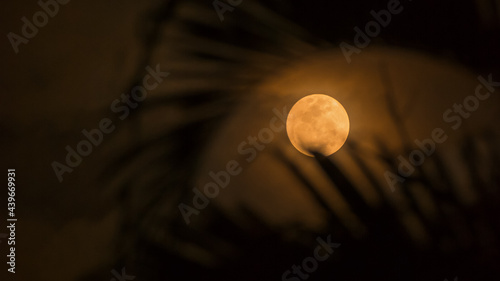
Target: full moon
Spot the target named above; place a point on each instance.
(317, 123)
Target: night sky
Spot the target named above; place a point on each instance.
(149, 140)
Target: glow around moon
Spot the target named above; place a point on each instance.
(317, 123)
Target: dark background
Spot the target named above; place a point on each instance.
(111, 211)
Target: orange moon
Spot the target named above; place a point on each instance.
(317, 123)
